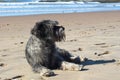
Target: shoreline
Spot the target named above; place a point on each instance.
(95, 33)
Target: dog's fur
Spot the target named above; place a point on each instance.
(42, 53)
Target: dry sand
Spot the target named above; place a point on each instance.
(92, 35)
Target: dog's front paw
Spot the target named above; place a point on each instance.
(76, 67)
(75, 59)
(47, 73)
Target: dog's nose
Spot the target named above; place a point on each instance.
(63, 28)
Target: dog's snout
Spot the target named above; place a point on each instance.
(58, 28)
(62, 28)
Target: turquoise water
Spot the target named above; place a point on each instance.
(32, 8)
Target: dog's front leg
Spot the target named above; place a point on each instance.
(70, 66)
(43, 71)
(69, 57)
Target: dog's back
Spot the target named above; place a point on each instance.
(38, 51)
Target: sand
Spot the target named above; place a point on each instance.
(92, 35)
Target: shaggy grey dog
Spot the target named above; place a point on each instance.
(42, 53)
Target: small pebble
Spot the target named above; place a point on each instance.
(95, 53)
(74, 50)
(21, 42)
(80, 49)
(2, 64)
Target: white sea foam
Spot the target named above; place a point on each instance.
(27, 8)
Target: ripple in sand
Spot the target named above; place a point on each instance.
(19, 76)
(4, 55)
(100, 44)
(73, 40)
(15, 77)
(106, 52)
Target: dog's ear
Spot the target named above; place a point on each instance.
(34, 29)
(40, 29)
(56, 23)
(44, 29)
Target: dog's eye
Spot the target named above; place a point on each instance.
(55, 27)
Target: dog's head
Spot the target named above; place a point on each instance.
(48, 29)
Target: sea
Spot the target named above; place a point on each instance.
(35, 8)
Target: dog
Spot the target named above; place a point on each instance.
(42, 53)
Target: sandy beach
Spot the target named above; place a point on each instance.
(95, 36)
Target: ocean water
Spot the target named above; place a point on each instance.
(33, 8)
